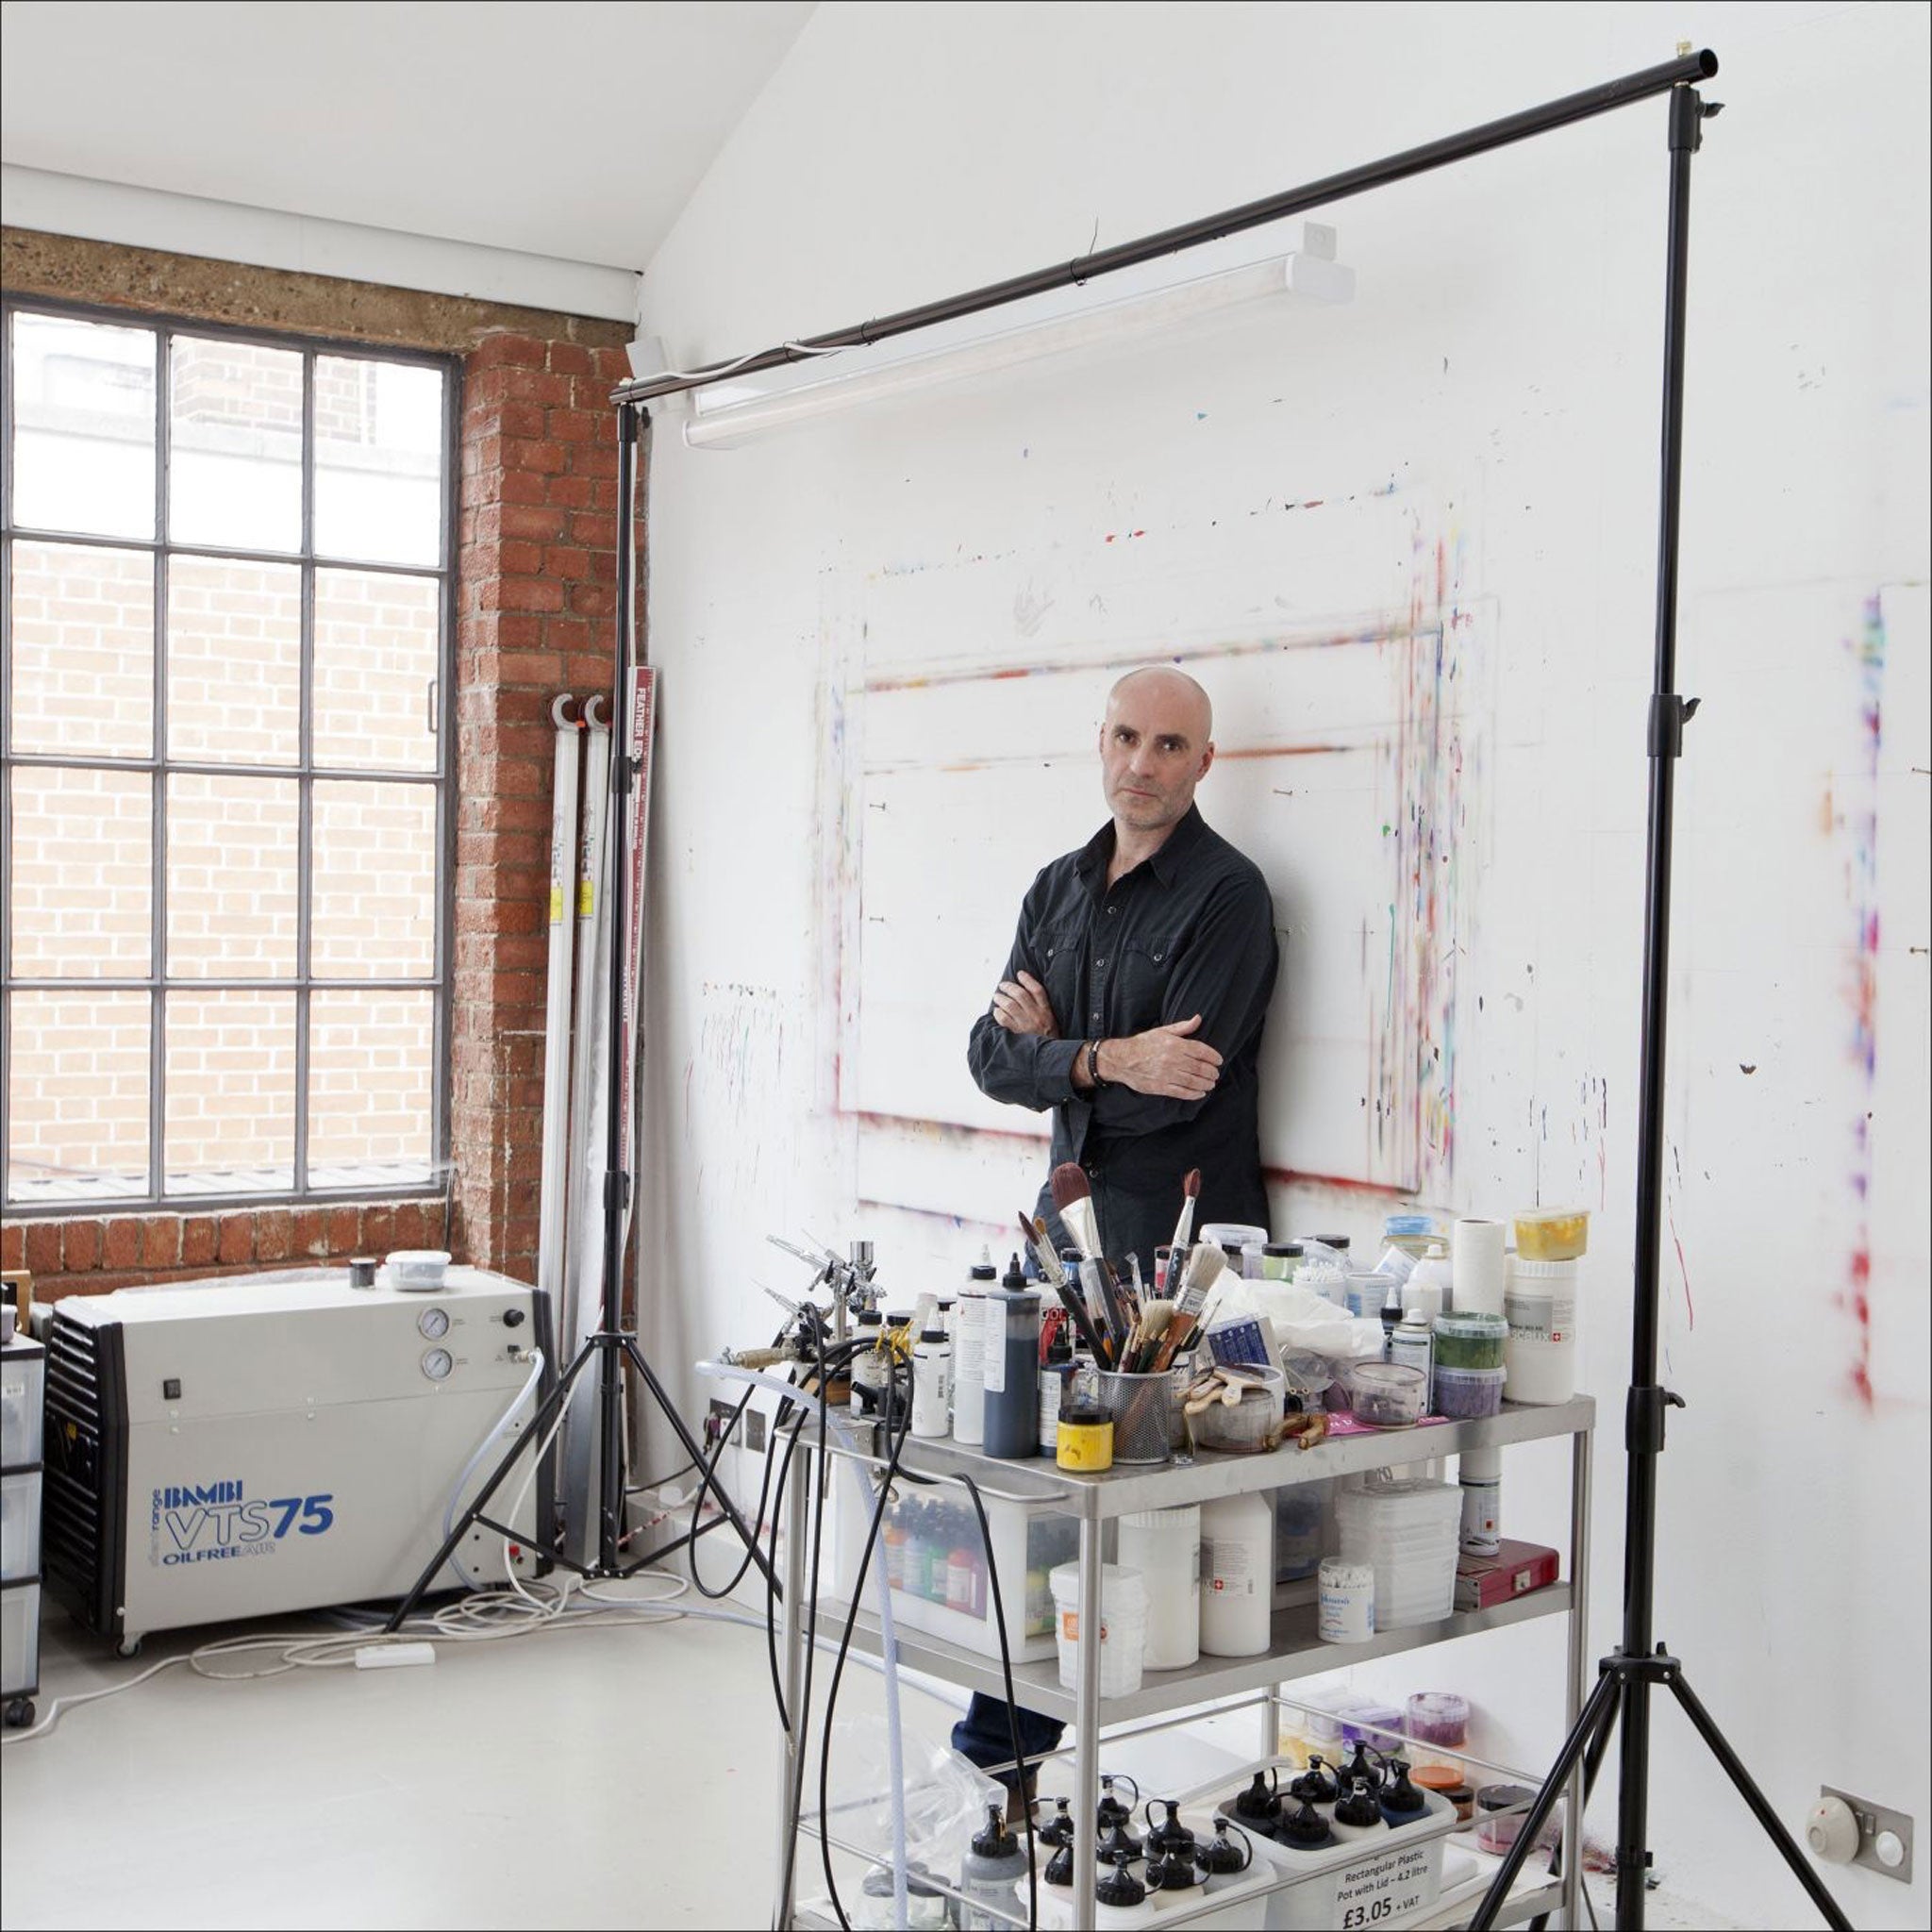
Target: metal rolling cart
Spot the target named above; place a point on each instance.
(1213, 1685)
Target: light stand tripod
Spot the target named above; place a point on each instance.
(613, 1344)
(1627, 1674)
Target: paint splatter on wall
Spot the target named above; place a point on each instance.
(1857, 822)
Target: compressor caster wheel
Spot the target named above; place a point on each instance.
(20, 1713)
(128, 1646)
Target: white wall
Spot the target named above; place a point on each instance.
(1500, 371)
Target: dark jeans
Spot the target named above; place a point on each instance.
(985, 1735)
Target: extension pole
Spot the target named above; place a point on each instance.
(553, 1198)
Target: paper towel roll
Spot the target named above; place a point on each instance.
(1475, 1267)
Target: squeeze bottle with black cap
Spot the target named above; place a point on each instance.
(1358, 1815)
(1304, 1830)
(969, 1333)
(1009, 1368)
(989, 1875)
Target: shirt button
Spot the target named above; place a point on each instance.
(1111, 910)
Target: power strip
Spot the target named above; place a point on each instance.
(389, 1657)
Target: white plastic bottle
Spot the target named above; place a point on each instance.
(969, 1365)
(1164, 1545)
(1236, 1575)
(932, 1383)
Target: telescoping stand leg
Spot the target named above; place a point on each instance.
(613, 1344)
(1621, 1697)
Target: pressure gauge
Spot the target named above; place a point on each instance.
(433, 1324)
(437, 1363)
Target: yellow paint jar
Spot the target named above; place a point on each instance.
(1086, 1439)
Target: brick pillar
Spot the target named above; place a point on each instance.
(537, 571)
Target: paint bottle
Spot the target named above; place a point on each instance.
(1304, 1830)
(1055, 1376)
(1402, 1803)
(1392, 1316)
(1479, 1476)
(1358, 1814)
(1236, 1575)
(991, 1875)
(969, 1384)
(1413, 1344)
(932, 1384)
(1009, 1368)
(1427, 1287)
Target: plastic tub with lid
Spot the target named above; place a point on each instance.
(1464, 1394)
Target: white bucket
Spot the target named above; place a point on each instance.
(1122, 1627)
(1539, 1355)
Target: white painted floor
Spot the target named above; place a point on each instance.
(617, 1776)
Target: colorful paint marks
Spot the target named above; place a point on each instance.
(1857, 821)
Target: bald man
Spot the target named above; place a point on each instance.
(1133, 1001)
(1132, 1005)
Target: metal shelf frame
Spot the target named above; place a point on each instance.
(1294, 1650)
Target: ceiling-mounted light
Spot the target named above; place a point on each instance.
(726, 416)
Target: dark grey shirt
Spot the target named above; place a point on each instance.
(1190, 930)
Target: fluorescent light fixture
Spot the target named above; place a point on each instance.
(725, 416)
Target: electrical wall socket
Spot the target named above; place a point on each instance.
(725, 1426)
(1885, 1836)
(755, 1430)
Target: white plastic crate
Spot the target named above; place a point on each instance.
(935, 1558)
(22, 1373)
(20, 1527)
(20, 1639)
(1364, 1883)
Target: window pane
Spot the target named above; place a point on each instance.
(234, 444)
(82, 873)
(76, 1100)
(376, 651)
(372, 910)
(379, 460)
(234, 661)
(83, 426)
(371, 1062)
(230, 1093)
(83, 645)
(232, 845)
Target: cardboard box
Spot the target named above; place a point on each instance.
(1514, 1571)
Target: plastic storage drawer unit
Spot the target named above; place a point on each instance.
(22, 1372)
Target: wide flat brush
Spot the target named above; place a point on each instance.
(1056, 1275)
(1073, 1199)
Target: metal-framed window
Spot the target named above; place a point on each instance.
(226, 821)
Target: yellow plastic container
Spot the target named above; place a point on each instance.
(1553, 1234)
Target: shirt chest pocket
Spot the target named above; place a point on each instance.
(1146, 967)
(1057, 949)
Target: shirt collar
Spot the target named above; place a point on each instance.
(1165, 865)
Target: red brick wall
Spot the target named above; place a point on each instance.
(537, 570)
(538, 599)
(98, 1252)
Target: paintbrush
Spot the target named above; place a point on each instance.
(1149, 1332)
(1056, 1275)
(1041, 1248)
(1205, 1266)
(1190, 1192)
(1073, 1199)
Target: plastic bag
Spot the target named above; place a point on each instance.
(945, 1794)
